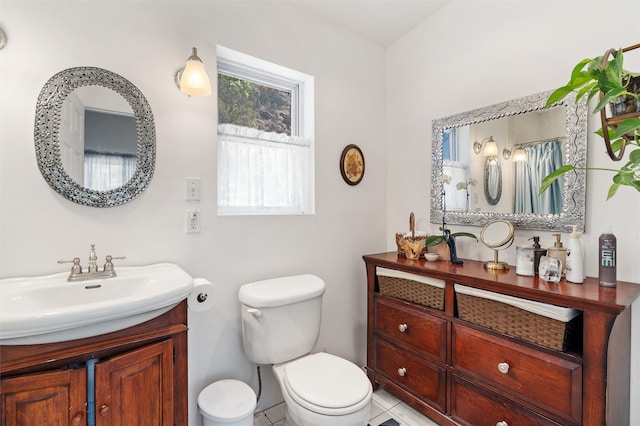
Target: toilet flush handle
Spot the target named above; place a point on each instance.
(255, 312)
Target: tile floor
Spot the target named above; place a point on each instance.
(384, 407)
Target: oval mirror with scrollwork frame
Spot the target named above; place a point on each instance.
(574, 152)
(47, 131)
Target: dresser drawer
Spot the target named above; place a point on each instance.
(426, 333)
(412, 373)
(549, 382)
(473, 405)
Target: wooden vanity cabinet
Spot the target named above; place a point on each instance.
(140, 373)
(460, 373)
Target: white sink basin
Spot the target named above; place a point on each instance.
(48, 308)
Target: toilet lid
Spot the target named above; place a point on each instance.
(326, 381)
(227, 400)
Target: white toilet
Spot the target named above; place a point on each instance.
(280, 326)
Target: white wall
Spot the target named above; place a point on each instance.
(147, 42)
(478, 53)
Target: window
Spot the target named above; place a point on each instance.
(265, 137)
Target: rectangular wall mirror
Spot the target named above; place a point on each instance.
(494, 159)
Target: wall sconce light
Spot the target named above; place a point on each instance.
(193, 80)
(506, 153)
(519, 156)
(490, 149)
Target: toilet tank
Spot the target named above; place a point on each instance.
(281, 317)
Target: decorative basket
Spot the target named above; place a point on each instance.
(430, 295)
(534, 328)
(411, 239)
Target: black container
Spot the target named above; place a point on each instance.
(607, 260)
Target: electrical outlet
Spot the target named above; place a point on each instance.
(191, 221)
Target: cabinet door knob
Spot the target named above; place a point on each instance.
(503, 367)
(104, 409)
(502, 423)
(402, 371)
(402, 328)
(77, 419)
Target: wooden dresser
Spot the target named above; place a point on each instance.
(460, 373)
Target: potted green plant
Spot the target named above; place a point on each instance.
(605, 76)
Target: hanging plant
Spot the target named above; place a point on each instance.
(619, 108)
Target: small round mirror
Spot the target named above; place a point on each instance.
(497, 235)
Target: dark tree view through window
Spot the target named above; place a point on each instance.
(249, 104)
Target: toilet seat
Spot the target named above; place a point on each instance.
(327, 384)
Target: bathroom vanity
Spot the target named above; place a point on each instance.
(458, 372)
(140, 372)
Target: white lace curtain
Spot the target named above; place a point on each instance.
(263, 172)
(103, 172)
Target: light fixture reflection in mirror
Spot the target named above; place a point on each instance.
(497, 235)
(193, 80)
(519, 156)
(490, 148)
(514, 124)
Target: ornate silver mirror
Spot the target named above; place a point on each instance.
(532, 141)
(94, 137)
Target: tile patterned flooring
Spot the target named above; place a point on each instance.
(384, 407)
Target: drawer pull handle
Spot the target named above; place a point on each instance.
(402, 328)
(402, 371)
(502, 423)
(503, 367)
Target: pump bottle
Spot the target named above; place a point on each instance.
(575, 258)
(558, 252)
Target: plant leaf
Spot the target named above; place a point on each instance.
(464, 234)
(558, 95)
(628, 125)
(548, 180)
(611, 76)
(612, 190)
(591, 88)
(433, 240)
(609, 96)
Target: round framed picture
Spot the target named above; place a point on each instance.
(352, 164)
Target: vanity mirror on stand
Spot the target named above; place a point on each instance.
(497, 235)
(524, 143)
(94, 137)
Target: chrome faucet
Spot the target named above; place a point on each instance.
(93, 272)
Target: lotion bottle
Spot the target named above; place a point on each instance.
(575, 258)
(558, 252)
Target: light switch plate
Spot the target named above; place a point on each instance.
(192, 189)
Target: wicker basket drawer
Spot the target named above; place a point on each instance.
(473, 405)
(426, 291)
(412, 373)
(554, 383)
(560, 334)
(426, 333)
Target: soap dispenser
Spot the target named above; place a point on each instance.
(558, 252)
(575, 258)
(538, 252)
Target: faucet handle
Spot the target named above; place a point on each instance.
(108, 266)
(75, 268)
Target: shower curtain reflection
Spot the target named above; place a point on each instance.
(542, 159)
